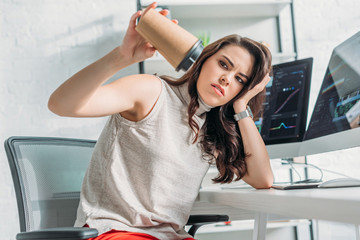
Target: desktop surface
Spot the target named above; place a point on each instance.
(332, 204)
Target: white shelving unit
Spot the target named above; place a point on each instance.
(245, 225)
(228, 8)
(261, 20)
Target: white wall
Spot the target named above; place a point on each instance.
(320, 26)
(43, 42)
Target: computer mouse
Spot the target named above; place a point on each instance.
(340, 182)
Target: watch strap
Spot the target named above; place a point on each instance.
(244, 114)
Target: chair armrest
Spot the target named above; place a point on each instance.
(65, 233)
(206, 218)
(198, 220)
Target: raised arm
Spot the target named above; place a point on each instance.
(259, 173)
(85, 95)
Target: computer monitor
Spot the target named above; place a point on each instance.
(335, 121)
(283, 122)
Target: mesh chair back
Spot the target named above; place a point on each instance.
(47, 174)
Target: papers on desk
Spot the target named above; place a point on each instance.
(289, 186)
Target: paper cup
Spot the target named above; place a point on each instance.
(178, 46)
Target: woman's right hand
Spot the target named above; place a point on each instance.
(134, 45)
(85, 94)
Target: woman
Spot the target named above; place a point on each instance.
(156, 147)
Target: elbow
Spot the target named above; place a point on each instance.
(264, 186)
(63, 109)
(52, 105)
(55, 106)
(265, 183)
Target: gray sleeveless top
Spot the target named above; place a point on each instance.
(144, 176)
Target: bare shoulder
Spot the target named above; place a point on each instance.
(145, 83)
(140, 82)
(143, 90)
(143, 78)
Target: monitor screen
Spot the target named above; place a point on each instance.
(285, 108)
(286, 104)
(335, 120)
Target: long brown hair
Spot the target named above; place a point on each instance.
(220, 137)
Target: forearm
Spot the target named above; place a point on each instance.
(74, 93)
(259, 173)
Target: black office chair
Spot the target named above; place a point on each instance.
(47, 173)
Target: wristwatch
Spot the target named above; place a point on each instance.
(244, 114)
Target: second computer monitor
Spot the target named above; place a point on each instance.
(286, 104)
(335, 121)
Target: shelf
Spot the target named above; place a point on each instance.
(157, 57)
(221, 9)
(248, 225)
(282, 57)
(277, 57)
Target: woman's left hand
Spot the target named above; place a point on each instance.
(241, 103)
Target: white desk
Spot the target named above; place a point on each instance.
(336, 204)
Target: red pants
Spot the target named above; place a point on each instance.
(123, 235)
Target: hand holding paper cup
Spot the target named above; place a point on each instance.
(178, 46)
